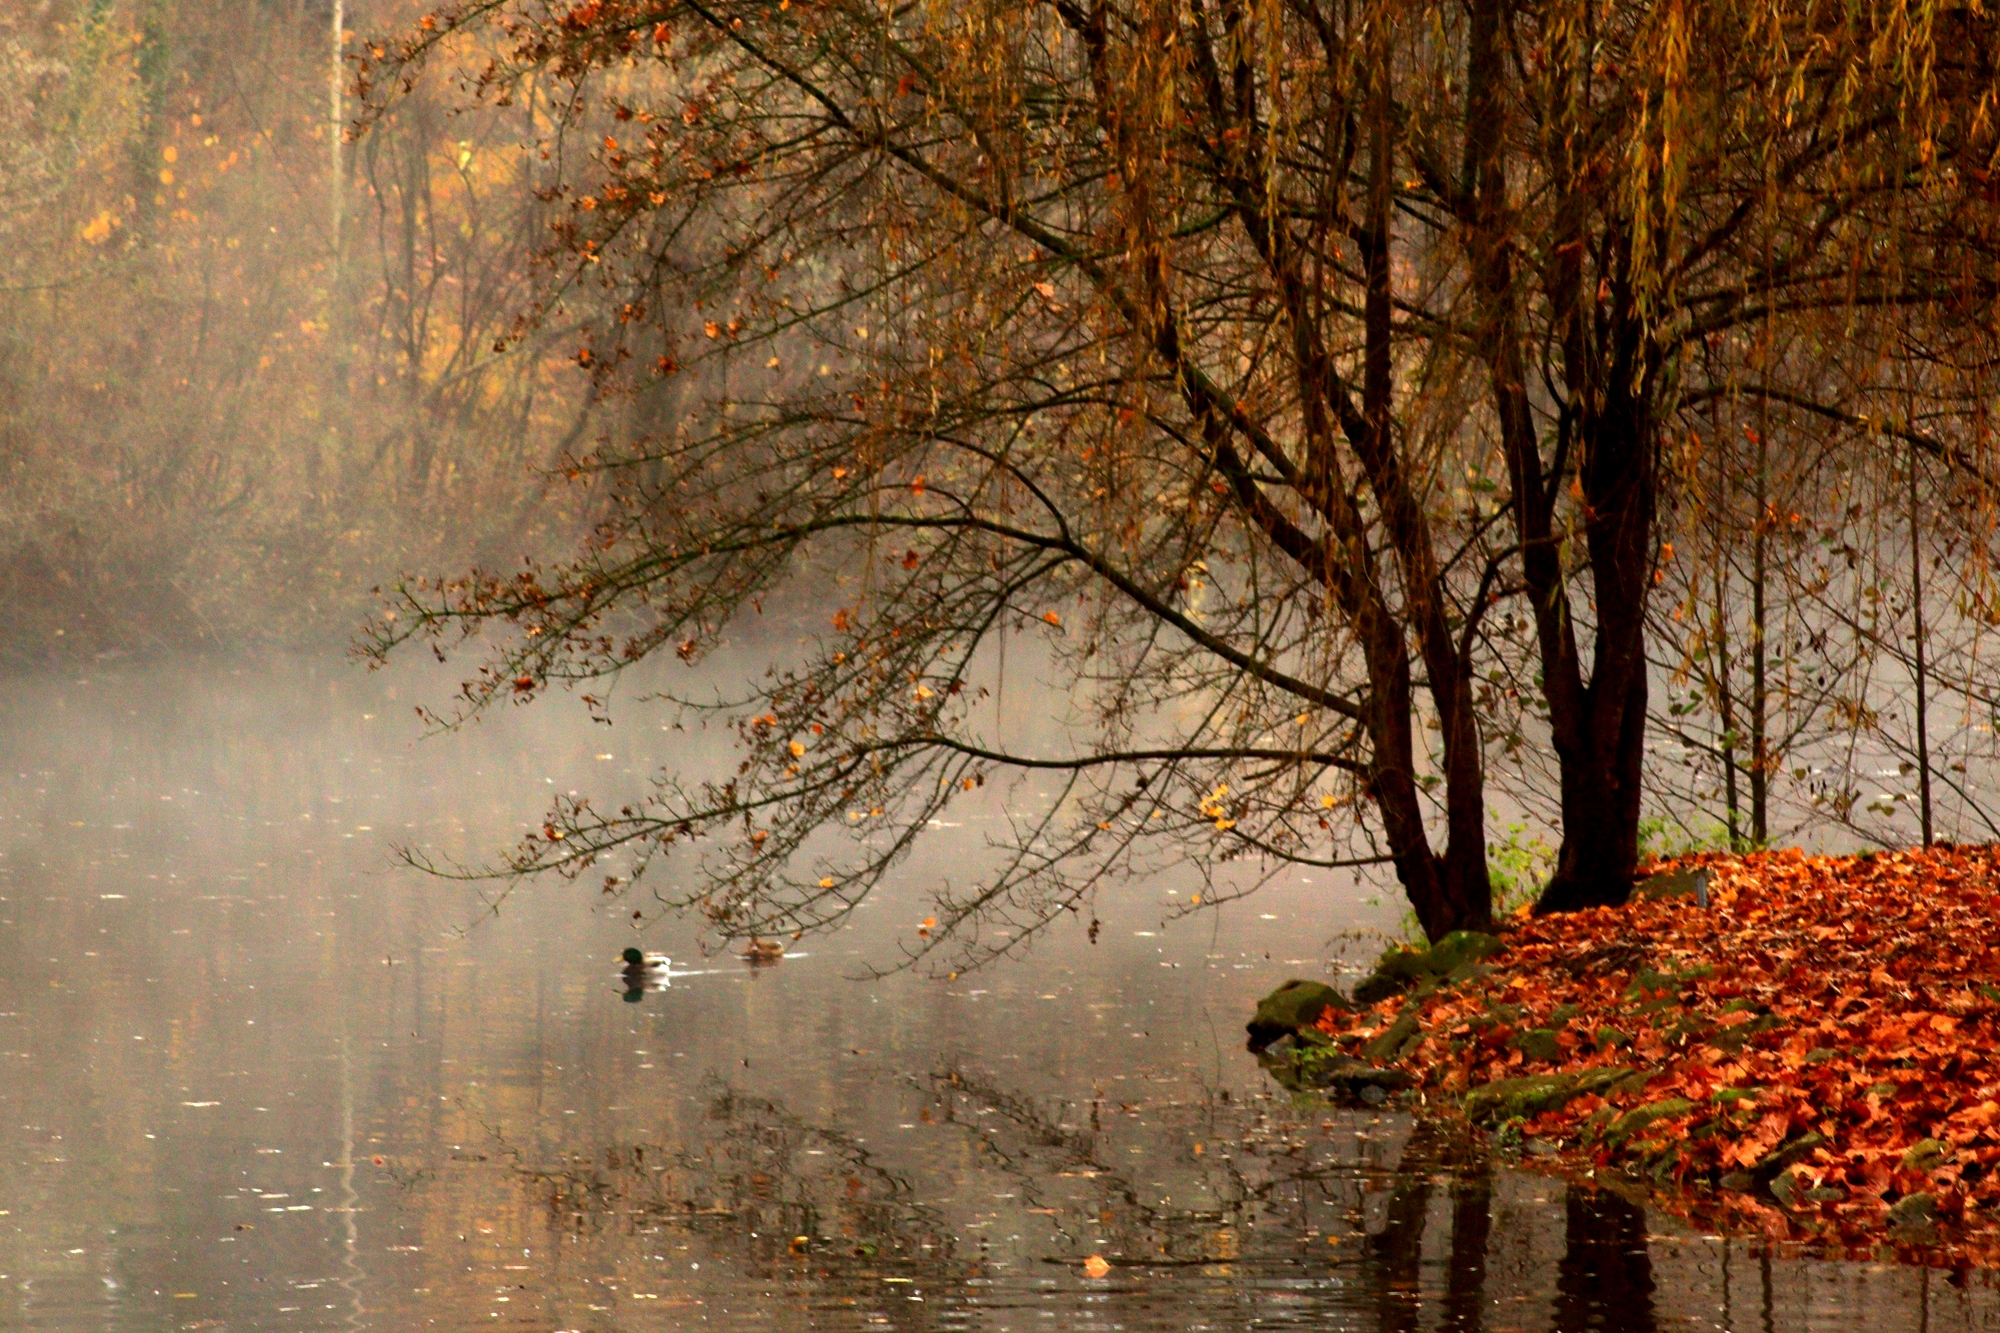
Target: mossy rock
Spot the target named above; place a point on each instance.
(1733, 1040)
(1926, 1155)
(1537, 1044)
(1455, 958)
(1397, 1040)
(1913, 1212)
(1291, 1008)
(1518, 1098)
(1509, 1098)
(1786, 1153)
(1460, 948)
(1642, 1118)
(1395, 972)
(1634, 1085)
(1340, 1076)
(1691, 1027)
(1652, 987)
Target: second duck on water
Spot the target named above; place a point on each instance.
(758, 952)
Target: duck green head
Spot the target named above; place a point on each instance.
(633, 958)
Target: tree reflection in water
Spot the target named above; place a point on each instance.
(1606, 1279)
(1241, 1214)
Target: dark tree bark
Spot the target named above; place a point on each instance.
(1599, 730)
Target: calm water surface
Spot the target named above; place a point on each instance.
(253, 1077)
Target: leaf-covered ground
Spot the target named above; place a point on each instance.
(1812, 1055)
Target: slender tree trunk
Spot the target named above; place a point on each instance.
(1760, 752)
(1922, 682)
(1725, 684)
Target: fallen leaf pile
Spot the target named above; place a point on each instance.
(1816, 1054)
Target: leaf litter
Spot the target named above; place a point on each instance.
(1815, 1055)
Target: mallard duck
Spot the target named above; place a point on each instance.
(762, 951)
(641, 968)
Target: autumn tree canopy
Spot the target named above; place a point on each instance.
(1303, 378)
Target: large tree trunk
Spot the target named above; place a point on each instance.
(1600, 811)
(1611, 377)
(1600, 731)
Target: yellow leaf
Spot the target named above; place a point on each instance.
(1096, 1266)
(798, 750)
(826, 883)
(170, 153)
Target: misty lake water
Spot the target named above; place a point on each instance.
(253, 1076)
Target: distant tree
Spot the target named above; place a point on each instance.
(1298, 373)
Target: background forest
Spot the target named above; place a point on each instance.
(254, 364)
(248, 366)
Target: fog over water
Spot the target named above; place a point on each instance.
(258, 1077)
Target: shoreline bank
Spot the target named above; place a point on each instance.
(1806, 1048)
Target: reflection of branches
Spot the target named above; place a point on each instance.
(1243, 1190)
(757, 1170)
(1309, 1192)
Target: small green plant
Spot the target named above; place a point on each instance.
(1662, 839)
(1517, 866)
